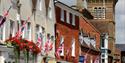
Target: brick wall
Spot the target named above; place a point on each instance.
(89, 29)
(68, 31)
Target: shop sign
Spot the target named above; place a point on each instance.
(81, 58)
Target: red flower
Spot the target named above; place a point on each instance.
(24, 44)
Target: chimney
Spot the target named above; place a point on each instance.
(81, 4)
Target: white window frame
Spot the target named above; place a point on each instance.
(2, 33)
(103, 13)
(67, 17)
(62, 15)
(12, 30)
(49, 12)
(99, 13)
(24, 31)
(39, 5)
(28, 31)
(37, 32)
(73, 19)
(73, 48)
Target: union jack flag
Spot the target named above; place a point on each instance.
(3, 18)
(85, 60)
(59, 50)
(96, 60)
(39, 41)
(21, 29)
(48, 46)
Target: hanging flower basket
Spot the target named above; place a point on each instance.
(24, 45)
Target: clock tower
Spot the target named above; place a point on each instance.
(103, 13)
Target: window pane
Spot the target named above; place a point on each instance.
(103, 44)
(11, 28)
(37, 31)
(103, 60)
(1, 33)
(28, 31)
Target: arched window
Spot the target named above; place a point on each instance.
(99, 12)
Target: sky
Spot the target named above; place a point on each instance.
(120, 22)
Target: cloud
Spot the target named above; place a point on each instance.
(120, 7)
(120, 22)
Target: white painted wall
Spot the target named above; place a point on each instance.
(69, 2)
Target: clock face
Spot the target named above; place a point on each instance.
(123, 58)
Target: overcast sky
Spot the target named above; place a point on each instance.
(120, 22)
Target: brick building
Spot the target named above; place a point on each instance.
(103, 12)
(117, 56)
(121, 47)
(72, 25)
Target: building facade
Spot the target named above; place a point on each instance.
(122, 51)
(103, 12)
(72, 24)
(42, 20)
(67, 30)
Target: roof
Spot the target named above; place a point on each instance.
(67, 8)
(75, 12)
(100, 25)
(121, 47)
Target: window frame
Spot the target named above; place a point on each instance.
(62, 18)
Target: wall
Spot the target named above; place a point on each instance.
(68, 31)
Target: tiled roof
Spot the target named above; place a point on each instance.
(101, 25)
(121, 47)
